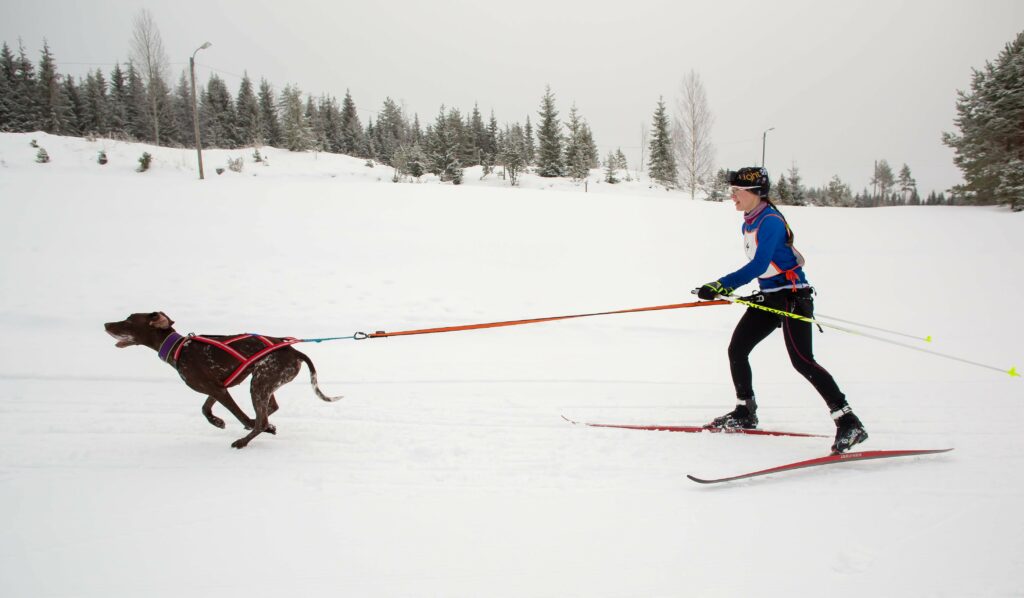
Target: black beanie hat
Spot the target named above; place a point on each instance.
(753, 177)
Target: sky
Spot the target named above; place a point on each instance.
(840, 83)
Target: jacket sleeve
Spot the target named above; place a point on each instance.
(771, 234)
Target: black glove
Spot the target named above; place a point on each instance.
(712, 290)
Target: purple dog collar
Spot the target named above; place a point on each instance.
(165, 349)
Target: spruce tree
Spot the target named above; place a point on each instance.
(797, 191)
(577, 152)
(270, 126)
(531, 149)
(352, 142)
(26, 114)
(181, 112)
(296, 133)
(217, 115)
(76, 108)
(247, 114)
(53, 110)
(549, 139)
(907, 185)
(990, 146)
(138, 118)
(117, 103)
(6, 89)
(95, 110)
(662, 167)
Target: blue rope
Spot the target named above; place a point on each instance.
(329, 338)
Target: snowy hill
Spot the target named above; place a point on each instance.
(447, 469)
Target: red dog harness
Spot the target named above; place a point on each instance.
(171, 348)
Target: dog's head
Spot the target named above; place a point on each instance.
(141, 329)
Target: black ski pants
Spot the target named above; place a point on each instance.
(756, 325)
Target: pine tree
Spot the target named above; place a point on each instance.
(577, 156)
(907, 185)
(838, 193)
(53, 110)
(117, 102)
(662, 167)
(476, 134)
(780, 192)
(26, 113)
(718, 186)
(95, 110)
(76, 107)
(217, 115)
(990, 146)
(797, 191)
(443, 146)
(6, 89)
(352, 142)
(330, 113)
(296, 134)
(512, 152)
(181, 112)
(247, 113)
(316, 125)
(549, 139)
(882, 181)
(391, 131)
(270, 125)
(138, 118)
(531, 149)
(610, 164)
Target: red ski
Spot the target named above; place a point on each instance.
(695, 429)
(829, 460)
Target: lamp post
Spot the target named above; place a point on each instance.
(195, 110)
(764, 138)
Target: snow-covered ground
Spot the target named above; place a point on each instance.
(447, 469)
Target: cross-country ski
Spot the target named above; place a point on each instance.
(821, 461)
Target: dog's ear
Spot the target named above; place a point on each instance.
(160, 320)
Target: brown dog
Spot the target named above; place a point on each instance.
(212, 364)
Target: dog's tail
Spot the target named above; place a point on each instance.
(312, 379)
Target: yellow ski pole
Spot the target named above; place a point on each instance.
(737, 301)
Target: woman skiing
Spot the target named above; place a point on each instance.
(778, 266)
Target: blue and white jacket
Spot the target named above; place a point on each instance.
(776, 265)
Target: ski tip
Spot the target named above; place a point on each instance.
(698, 480)
(569, 420)
(928, 339)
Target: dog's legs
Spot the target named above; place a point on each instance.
(272, 373)
(208, 412)
(224, 398)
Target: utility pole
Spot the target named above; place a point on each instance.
(195, 110)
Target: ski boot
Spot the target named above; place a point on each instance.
(744, 417)
(849, 430)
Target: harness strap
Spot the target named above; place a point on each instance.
(245, 362)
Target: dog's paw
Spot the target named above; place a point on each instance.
(271, 429)
(240, 443)
(216, 422)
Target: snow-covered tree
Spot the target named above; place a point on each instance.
(296, 133)
(549, 139)
(577, 151)
(513, 152)
(882, 181)
(247, 114)
(352, 142)
(663, 164)
(270, 124)
(990, 146)
(53, 110)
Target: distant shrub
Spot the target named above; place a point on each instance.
(102, 159)
(33, 143)
(41, 156)
(144, 161)
(236, 164)
(219, 170)
(369, 164)
(256, 156)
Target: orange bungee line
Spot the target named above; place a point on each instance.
(383, 334)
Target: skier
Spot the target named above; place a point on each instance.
(778, 266)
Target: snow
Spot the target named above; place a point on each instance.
(447, 470)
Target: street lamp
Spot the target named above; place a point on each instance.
(195, 110)
(764, 137)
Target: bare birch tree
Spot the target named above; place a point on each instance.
(147, 51)
(692, 135)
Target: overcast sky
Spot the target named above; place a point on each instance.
(842, 82)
